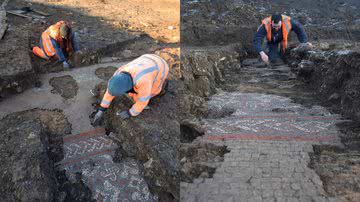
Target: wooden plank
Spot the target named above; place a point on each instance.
(41, 12)
(18, 14)
(3, 24)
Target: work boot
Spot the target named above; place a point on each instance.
(66, 66)
(40, 53)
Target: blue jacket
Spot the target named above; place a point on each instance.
(261, 33)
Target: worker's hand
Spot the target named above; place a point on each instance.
(66, 65)
(123, 115)
(264, 57)
(309, 44)
(306, 45)
(79, 52)
(97, 118)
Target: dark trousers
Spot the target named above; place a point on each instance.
(274, 52)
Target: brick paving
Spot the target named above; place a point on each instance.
(269, 138)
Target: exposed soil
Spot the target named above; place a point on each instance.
(339, 170)
(203, 73)
(27, 168)
(331, 70)
(31, 170)
(147, 138)
(326, 75)
(105, 73)
(233, 21)
(199, 160)
(100, 31)
(190, 130)
(222, 31)
(159, 19)
(16, 72)
(66, 86)
(112, 33)
(351, 135)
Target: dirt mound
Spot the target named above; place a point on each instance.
(27, 169)
(331, 70)
(16, 72)
(105, 73)
(205, 23)
(172, 57)
(66, 86)
(18, 168)
(149, 140)
(333, 73)
(202, 70)
(197, 160)
(339, 170)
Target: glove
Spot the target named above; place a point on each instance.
(123, 115)
(66, 65)
(306, 44)
(264, 57)
(79, 52)
(98, 117)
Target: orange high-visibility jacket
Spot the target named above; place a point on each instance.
(54, 32)
(286, 28)
(148, 73)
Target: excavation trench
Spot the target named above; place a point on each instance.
(88, 163)
(338, 90)
(145, 137)
(281, 124)
(281, 141)
(83, 164)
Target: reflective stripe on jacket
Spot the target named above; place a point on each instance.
(53, 43)
(286, 28)
(148, 73)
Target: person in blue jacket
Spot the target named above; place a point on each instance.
(276, 29)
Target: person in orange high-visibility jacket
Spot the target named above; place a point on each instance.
(141, 79)
(56, 42)
(276, 29)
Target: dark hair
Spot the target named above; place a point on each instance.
(65, 31)
(276, 17)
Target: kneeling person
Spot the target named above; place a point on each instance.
(276, 29)
(57, 42)
(141, 79)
